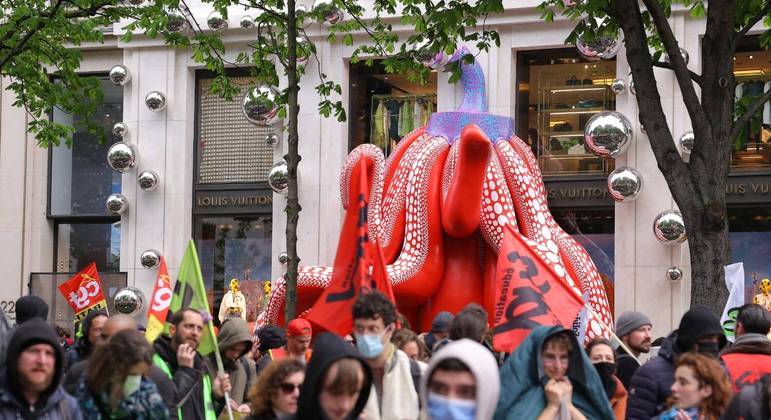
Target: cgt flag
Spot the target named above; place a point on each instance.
(528, 294)
(159, 303)
(190, 292)
(359, 265)
(83, 292)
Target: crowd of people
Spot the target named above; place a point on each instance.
(383, 369)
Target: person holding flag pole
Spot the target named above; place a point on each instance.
(187, 336)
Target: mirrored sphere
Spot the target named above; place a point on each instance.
(155, 101)
(119, 75)
(283, 258)
(272, 139)
(176, 23)
(121, 156)
(116, 204)
(150, 258)
(216, 21)
(331, 14)
(687, 141)
(618, 86)
(120, 129)
(148, 180)
(625, 184)
(129, 301)
(247, 22)
(600, 47)
(683, 53)
(674, 273)
(608, 134)
(669, 227)
(278, 177)
(260, 105)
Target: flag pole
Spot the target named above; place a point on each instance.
(220, 370)
(613, 335)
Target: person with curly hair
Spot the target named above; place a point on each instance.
(701, 389)
(407, 341)
(277, 390)
(115, 385)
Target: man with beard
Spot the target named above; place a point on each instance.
(234, 344)
(634, 330)
(29, 383)
(298, 343)
(197, 388)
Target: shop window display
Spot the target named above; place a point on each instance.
(558, 92)
(750, 237)
(752, 70)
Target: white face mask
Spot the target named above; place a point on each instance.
(131, 385)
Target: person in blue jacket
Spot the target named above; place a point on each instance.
(549, 377)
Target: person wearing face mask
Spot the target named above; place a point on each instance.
(394, 391)
(700, 391)
(550, 377)
(699, 331)
(461, 383)
(115, 385)
(600, 352)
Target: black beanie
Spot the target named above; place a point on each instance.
(697, 323)
(271, 337)
(30, 306)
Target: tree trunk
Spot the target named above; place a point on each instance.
(710, 251)
(292, 160)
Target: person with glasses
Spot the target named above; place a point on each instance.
(277, 390)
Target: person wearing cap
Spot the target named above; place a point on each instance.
(29, 382)
(267, 338)
(440, 329)
(298, 343)
(634, 330)
(699, 331)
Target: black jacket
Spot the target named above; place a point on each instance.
(327, 349)
(83, 348)
(650, 385)
(626, 366)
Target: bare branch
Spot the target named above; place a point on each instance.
(763, 12)
(695, 77)
(747, 116)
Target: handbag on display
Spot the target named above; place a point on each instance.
(573, 81)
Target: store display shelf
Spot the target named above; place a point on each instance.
(573, 111)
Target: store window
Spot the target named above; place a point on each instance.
(79, 182)
(752, 70)
(385, 107)
(594, 230)
(557, 93)
(750, 237)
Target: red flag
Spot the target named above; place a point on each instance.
(359, 265)
(83, 292)
(159, 303)
(528, 294)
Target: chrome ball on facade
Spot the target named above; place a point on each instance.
(687, 141)
(608, 134)
(247, 22)
(260, 105)
(272, 139)
(120, 129)
(121, 156)
(176, 23)
(119, 75)
(283, 258)
(278, 177)
(674, 273)
(669, 227)
(116, 204)
(683, 53)
(625, 184)
(599, 47)
(330, 13)
(618, 86)
(150, 258)
(129, 301)
(148, 180)
(216, 21)
(155, 101)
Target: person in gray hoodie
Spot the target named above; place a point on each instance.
(461, 382)
(235, 341)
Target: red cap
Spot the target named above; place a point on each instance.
(298, 327)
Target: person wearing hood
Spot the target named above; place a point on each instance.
(699, 331)
(461, 383)
(89, 337)
(29, 381)
(600, 352)
(234, 343)
(337, 382)
(30, 306)
(549, 376)
(749, 358)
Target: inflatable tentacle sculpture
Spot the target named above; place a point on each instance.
(438, 207)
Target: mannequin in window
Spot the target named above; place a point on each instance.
(764, 297)
(233, 303)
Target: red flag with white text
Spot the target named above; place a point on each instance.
(528, 294)
(84, 292)
(359, 265)
(159, 303)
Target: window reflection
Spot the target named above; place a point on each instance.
(752, 70)
(78, 244)
(750, 238)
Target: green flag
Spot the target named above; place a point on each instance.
(189, 292)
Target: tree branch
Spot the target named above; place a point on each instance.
(763, 12)
(695, 77)
(20, 46)
(751, 111)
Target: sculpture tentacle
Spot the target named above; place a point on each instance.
(460, 208)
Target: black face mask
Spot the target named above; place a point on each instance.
(606, 371)
(708, 348)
